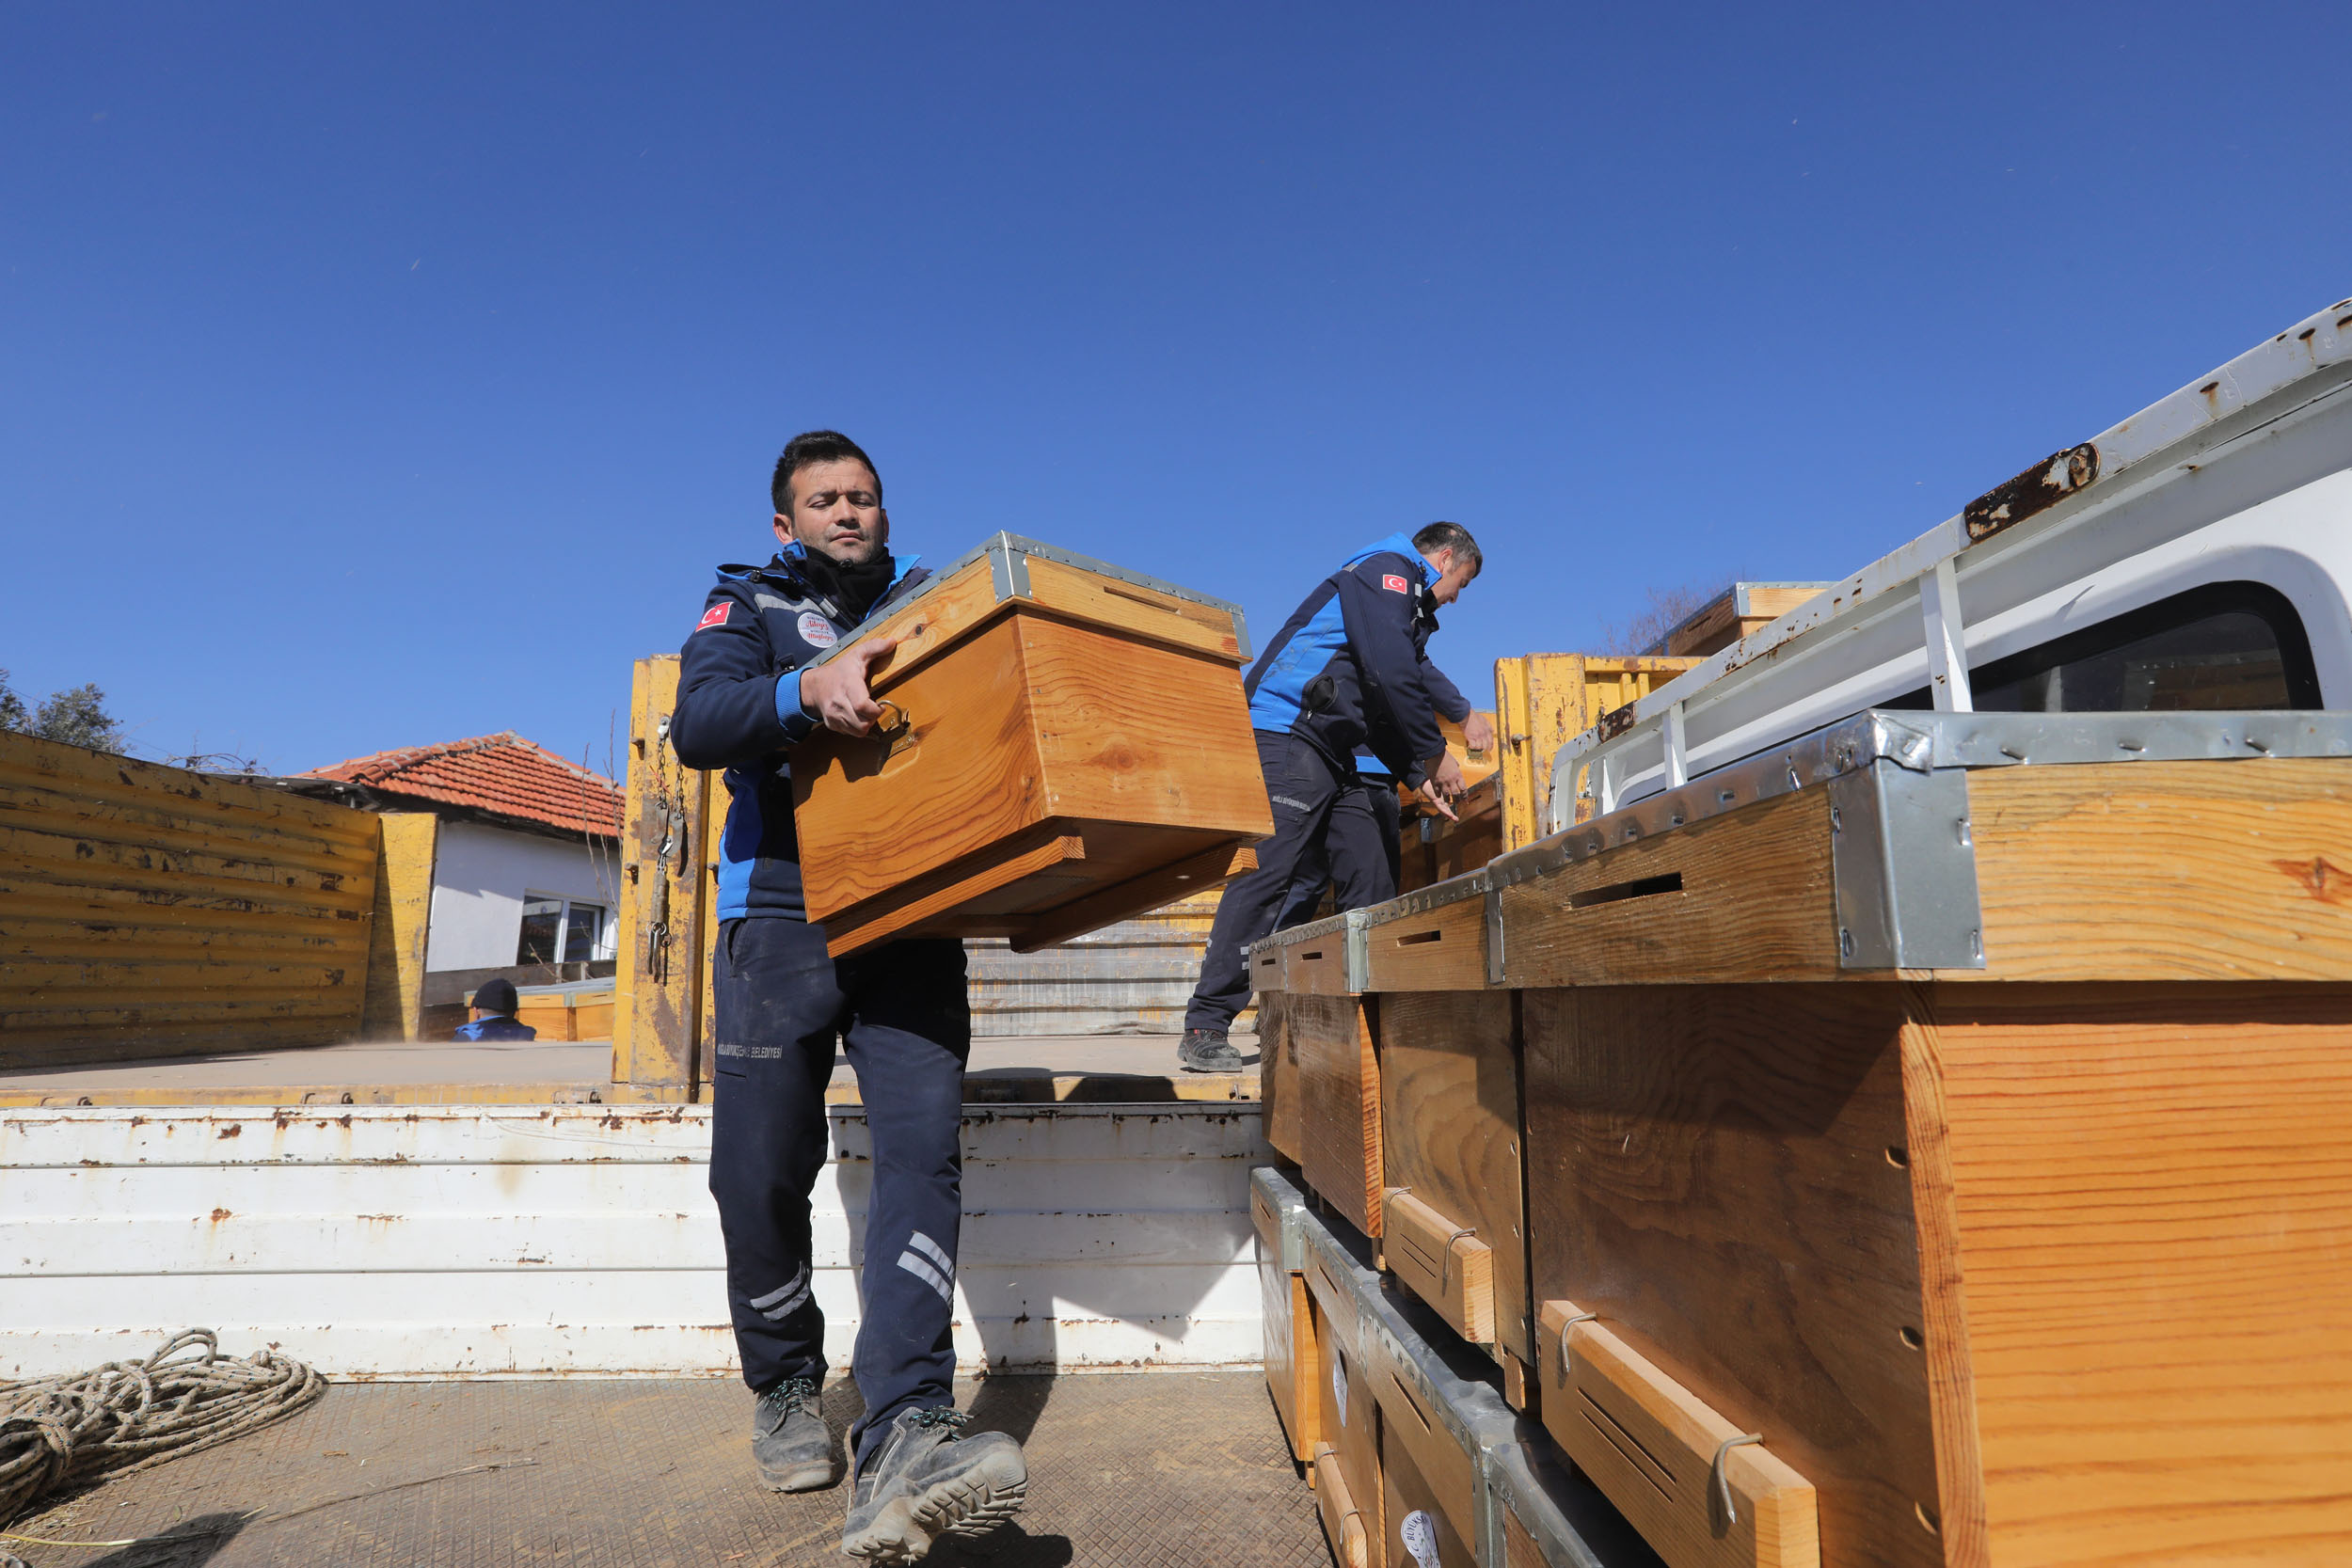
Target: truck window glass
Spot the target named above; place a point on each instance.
(2225, 646)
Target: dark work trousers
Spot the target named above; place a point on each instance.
(907, 1022)
(1307, 791)
(1378, 792)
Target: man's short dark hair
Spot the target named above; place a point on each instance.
(1450, 536)
(815, 446)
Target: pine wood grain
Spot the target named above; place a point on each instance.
(2152, 1194)
(1139, 734)
(1756, 903)
(951, 613)
(917, 906)
(1316, 966)
(2165, 871)
(1521, 1389)
(1306, 1357)
(966, 602)
(1708, 1169)
(1407, 1489)
(1519, 1547)
(1339, 1101)
(1650, 1444)
(1441, 949)
(1351, 1424)
(965, 767)
(1450, 1120)
(1027, 726)
(1265, 968)
(1958, 1514)
(1443, 1263)
(1136, 613)
(1342, 1521)
(1139, 896)
(1278, 1078)
(1444, 1473)
(1289, 1354)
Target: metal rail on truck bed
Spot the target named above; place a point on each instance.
(1905, 874)
(2244, 474)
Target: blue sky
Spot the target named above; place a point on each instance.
(376, 377)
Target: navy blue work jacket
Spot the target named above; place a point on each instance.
(1350, 667)
(739, 709)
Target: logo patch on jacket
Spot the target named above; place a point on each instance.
(817, 631)
(715, 616)
(1395, 584)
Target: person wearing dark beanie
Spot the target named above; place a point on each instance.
(493, 1015)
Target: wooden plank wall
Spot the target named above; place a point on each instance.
(146, 910)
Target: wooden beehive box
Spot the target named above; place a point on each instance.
(1065, 746)
(1548, 1516)
(1967, 1133)
(1452, 1205)
(1347, 1465)
(1326, 1072)
(1278, 1212)
(1439, 1415)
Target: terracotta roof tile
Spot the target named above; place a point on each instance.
(502, 774)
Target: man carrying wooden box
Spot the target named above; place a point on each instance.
(1348, 669)
(901, 1011)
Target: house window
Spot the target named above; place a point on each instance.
(2225, 646)
(560, 930)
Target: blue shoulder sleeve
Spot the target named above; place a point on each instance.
(1379, 621)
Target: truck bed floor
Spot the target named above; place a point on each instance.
(1178, 1468)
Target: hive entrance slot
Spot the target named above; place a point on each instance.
(1643, 887)
(1416, 937)
(1636, 1453)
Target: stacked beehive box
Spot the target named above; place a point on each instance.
(1916, 1145)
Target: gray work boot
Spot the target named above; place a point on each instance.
(1207, 1051)
(927, 1481)
(791, 1442)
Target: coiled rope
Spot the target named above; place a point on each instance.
(126, 1416)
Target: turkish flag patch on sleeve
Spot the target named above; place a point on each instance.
(715, 616)
(1395, 584)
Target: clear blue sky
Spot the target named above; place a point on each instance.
(375, 376)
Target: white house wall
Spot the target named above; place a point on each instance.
(480, 878)
(489, 1241)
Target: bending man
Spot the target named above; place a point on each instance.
(1348, 669)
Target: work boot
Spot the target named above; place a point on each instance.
(791, 1442)
(927, 1481)
(1207, 1051)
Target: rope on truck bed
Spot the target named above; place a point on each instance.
(127, 1416)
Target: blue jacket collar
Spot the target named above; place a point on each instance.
(785, 565)
(1395, 544)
